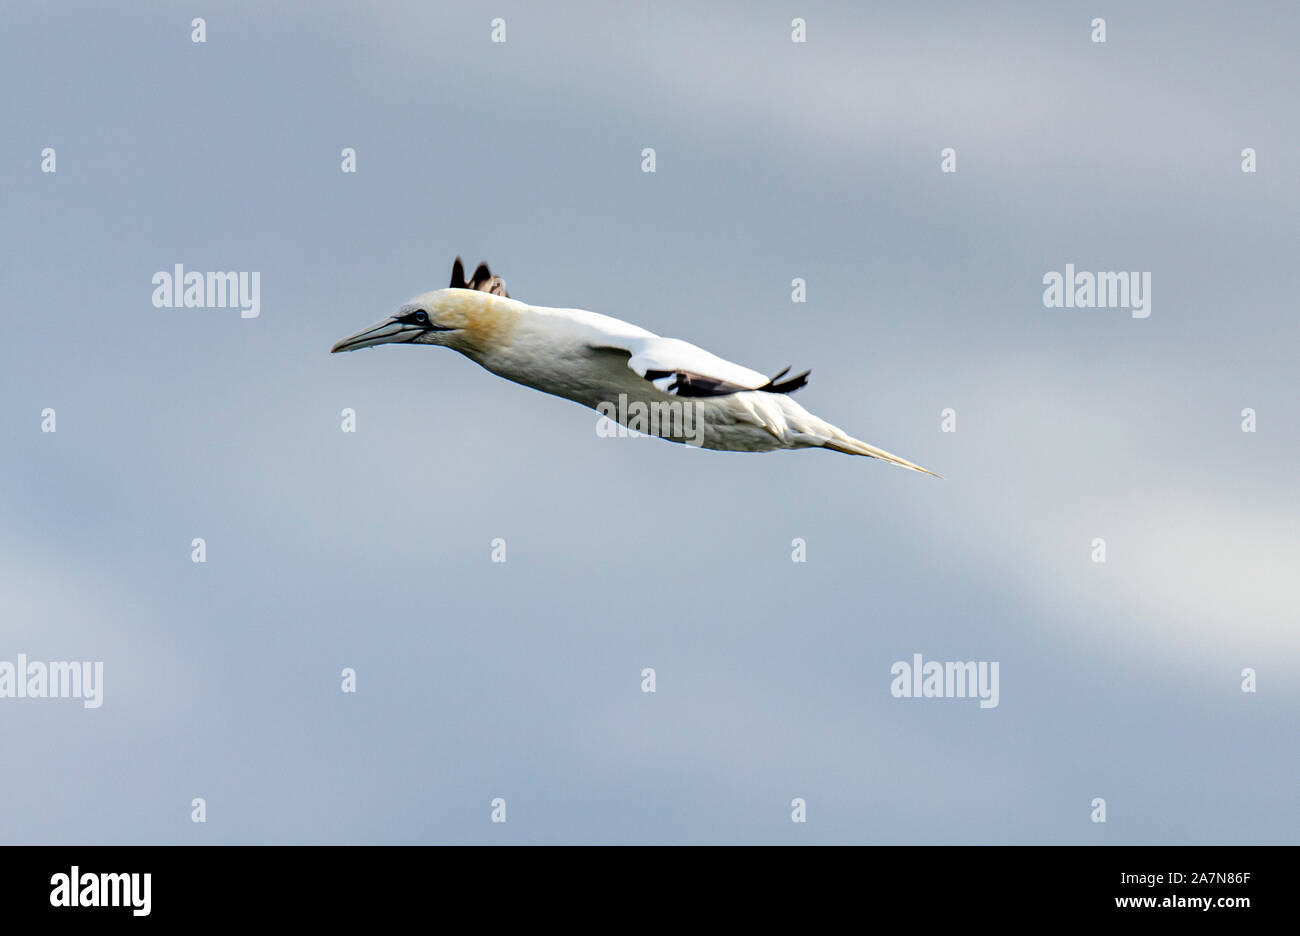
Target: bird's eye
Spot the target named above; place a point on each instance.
(421, 316)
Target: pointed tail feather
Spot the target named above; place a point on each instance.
(851, 446)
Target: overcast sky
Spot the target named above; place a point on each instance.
(522, 680)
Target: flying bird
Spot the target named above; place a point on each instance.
(613, 367)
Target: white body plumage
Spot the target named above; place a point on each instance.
(606, 363)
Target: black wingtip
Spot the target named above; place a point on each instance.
(482, 280)
(787, 386)
(458, 275)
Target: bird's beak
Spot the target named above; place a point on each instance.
(389, 331)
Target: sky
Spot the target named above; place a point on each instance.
(1119, 681)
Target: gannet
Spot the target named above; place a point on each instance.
(612, 366)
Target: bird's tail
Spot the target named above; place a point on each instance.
(851, 446)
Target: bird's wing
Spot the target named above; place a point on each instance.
(671, 364)
(483, 279)
(681, 368)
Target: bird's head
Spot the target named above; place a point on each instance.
(467, 316)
